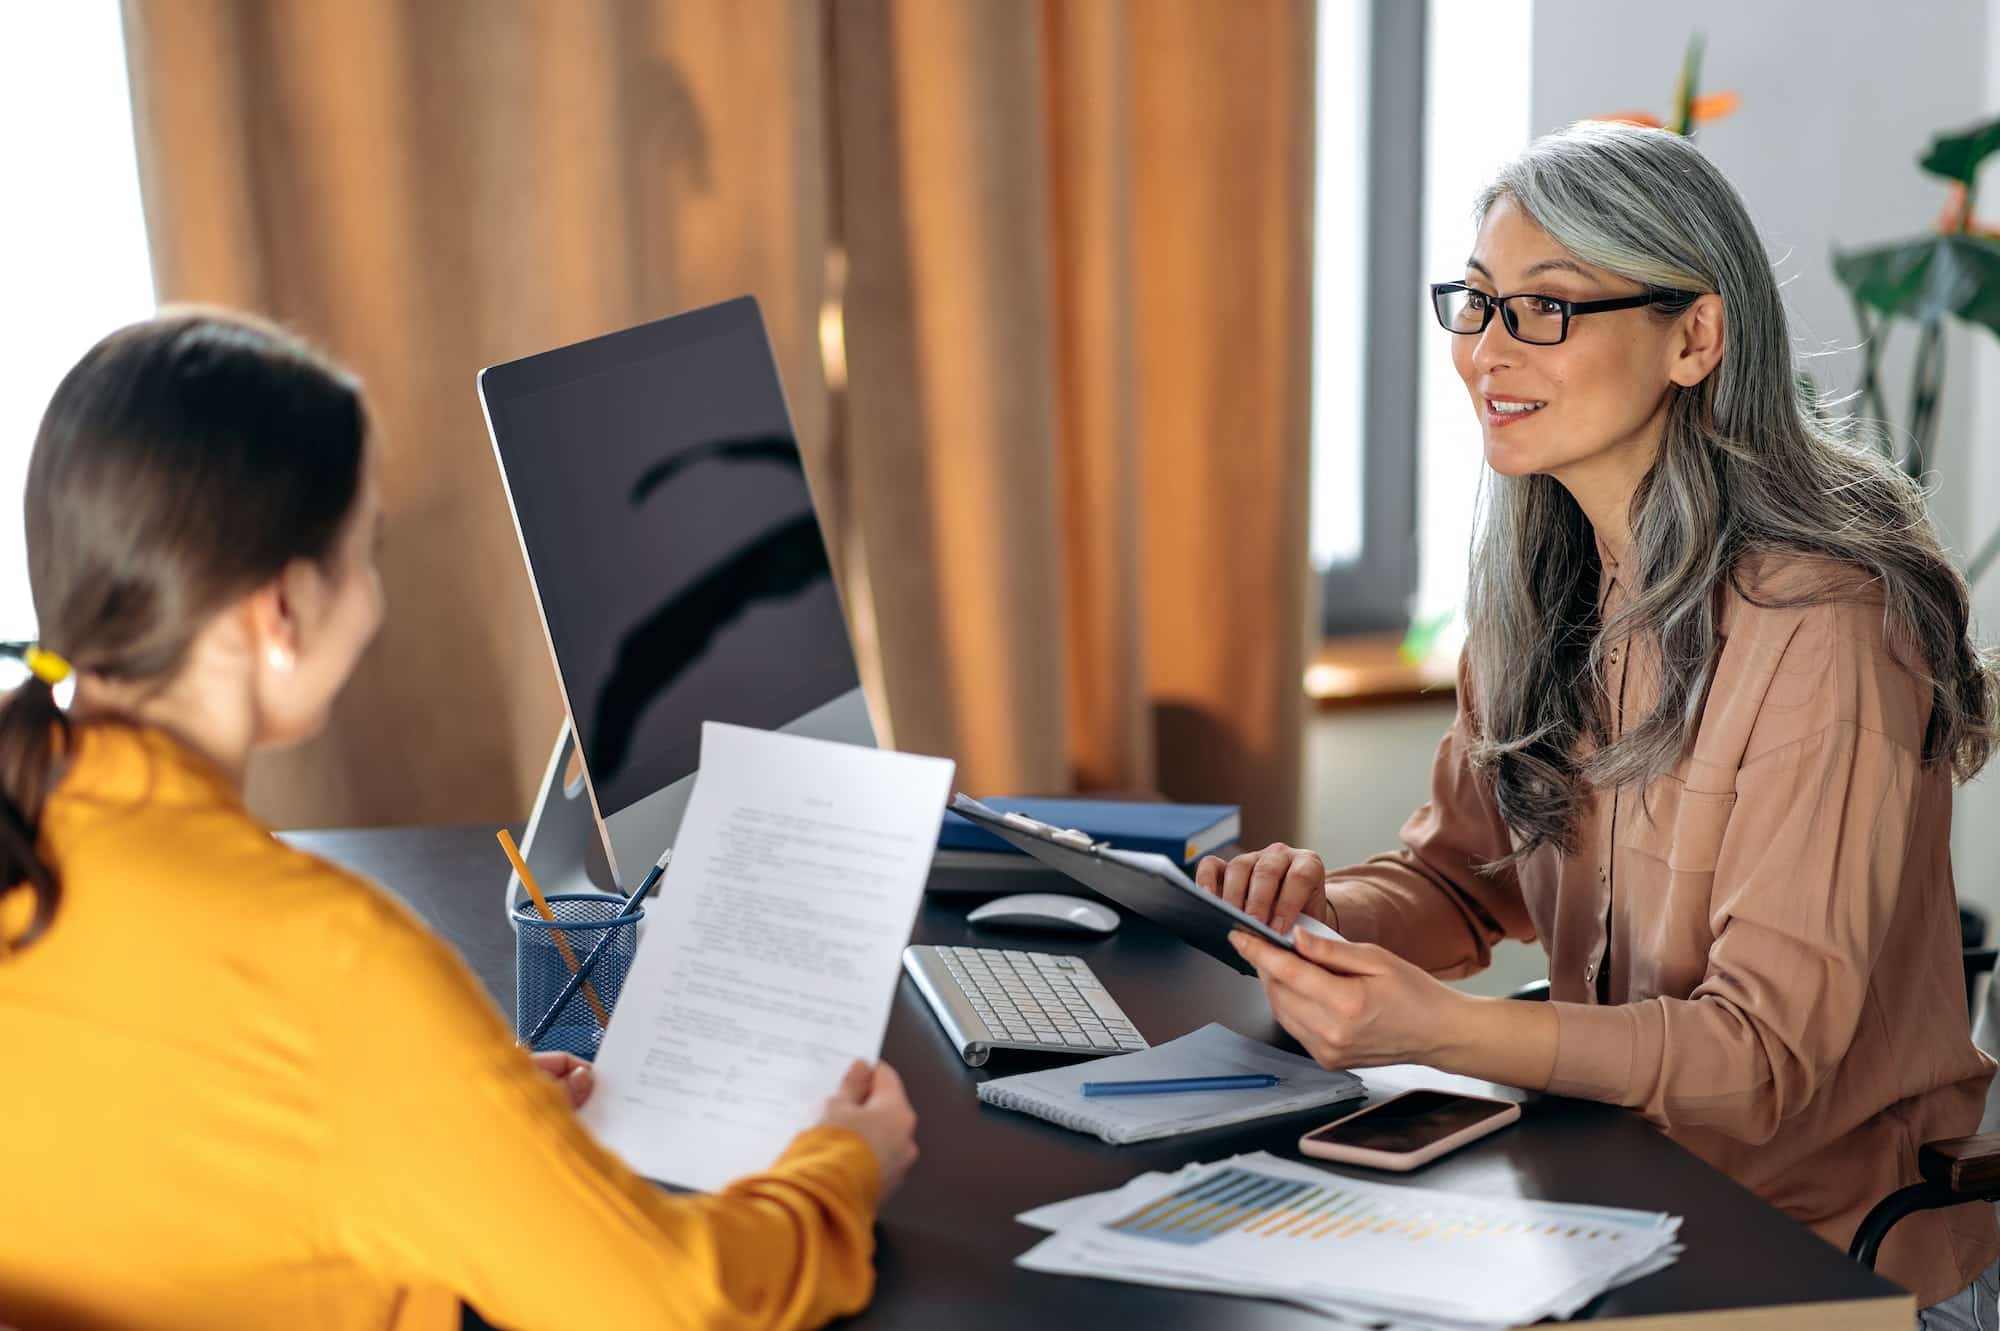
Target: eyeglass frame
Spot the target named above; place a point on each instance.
(1569, 309)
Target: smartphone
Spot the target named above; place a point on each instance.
(1408, 1130)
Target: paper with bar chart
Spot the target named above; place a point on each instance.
(1359, 1251)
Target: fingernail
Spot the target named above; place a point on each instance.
(1236, 941)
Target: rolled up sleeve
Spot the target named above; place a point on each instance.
(1432, 902)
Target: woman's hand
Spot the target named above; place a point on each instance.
(871, 1103)
(1352, 1005)
(1273, 886)
(575, 1075)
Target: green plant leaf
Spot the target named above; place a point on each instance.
(1957, 156)
(1927, 278)
(1421, 640)
(1685, 90)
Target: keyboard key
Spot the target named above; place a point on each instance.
(1103, 1005)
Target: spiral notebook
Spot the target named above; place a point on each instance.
(1056, 1094)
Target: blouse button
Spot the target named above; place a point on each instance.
(1590, 973)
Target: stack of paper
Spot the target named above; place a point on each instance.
(1368, 1254)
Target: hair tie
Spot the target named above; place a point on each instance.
(46, 666)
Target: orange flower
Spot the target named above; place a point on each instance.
(1715, 105)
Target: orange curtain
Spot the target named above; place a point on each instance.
(1078, 348)
(426, 188)
(1061, 448)
(1222, 153)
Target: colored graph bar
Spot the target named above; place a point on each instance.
(1265, 1207)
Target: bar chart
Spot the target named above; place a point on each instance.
(1266, 1207)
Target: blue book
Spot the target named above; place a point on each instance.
(1181, 832)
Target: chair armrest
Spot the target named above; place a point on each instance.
(1970, 1165)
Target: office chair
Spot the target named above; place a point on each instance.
(1955, 1169)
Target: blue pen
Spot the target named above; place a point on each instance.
(1248, 1081)
(582, 972)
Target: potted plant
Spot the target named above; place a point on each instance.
(1951, 273)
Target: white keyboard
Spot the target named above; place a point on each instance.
(1042, 1002)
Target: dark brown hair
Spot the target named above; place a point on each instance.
(182, 463)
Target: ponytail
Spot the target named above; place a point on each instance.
(34, 733)
(181, 464)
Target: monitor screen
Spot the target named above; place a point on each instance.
(663, 508)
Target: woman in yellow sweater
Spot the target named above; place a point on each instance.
(243, 1088)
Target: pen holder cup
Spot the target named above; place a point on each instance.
(582, 920)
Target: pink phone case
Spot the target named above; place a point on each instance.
(1403, 1160)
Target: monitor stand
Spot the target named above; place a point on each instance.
(564, 849)
(561, 844)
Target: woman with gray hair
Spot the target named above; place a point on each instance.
(1715, 693)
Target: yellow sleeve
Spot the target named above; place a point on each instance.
(452, 1161)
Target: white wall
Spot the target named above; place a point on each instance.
(1839, 99)
(1474, 128)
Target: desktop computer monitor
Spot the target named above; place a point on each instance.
(662, 506)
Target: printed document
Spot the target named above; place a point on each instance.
(771, 954)
(1358, 1251)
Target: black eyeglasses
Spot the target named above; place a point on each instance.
(1541, 321)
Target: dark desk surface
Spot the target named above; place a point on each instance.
(948, 1239)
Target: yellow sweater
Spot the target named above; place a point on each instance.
(242, 1088)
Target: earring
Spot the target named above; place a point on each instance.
(280, 660)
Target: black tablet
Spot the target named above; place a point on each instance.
(1148, 885)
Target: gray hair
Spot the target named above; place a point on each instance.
(1748, 466)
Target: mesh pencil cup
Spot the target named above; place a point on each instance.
(585, 919)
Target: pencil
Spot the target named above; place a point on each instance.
(542, 906)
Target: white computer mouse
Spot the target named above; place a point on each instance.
(1047, 911)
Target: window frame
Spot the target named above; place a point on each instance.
(1375, 592)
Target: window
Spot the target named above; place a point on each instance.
(73, 259)
(1402, 151)
(1339, 319)
(1472, 127)
(1366, 214)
